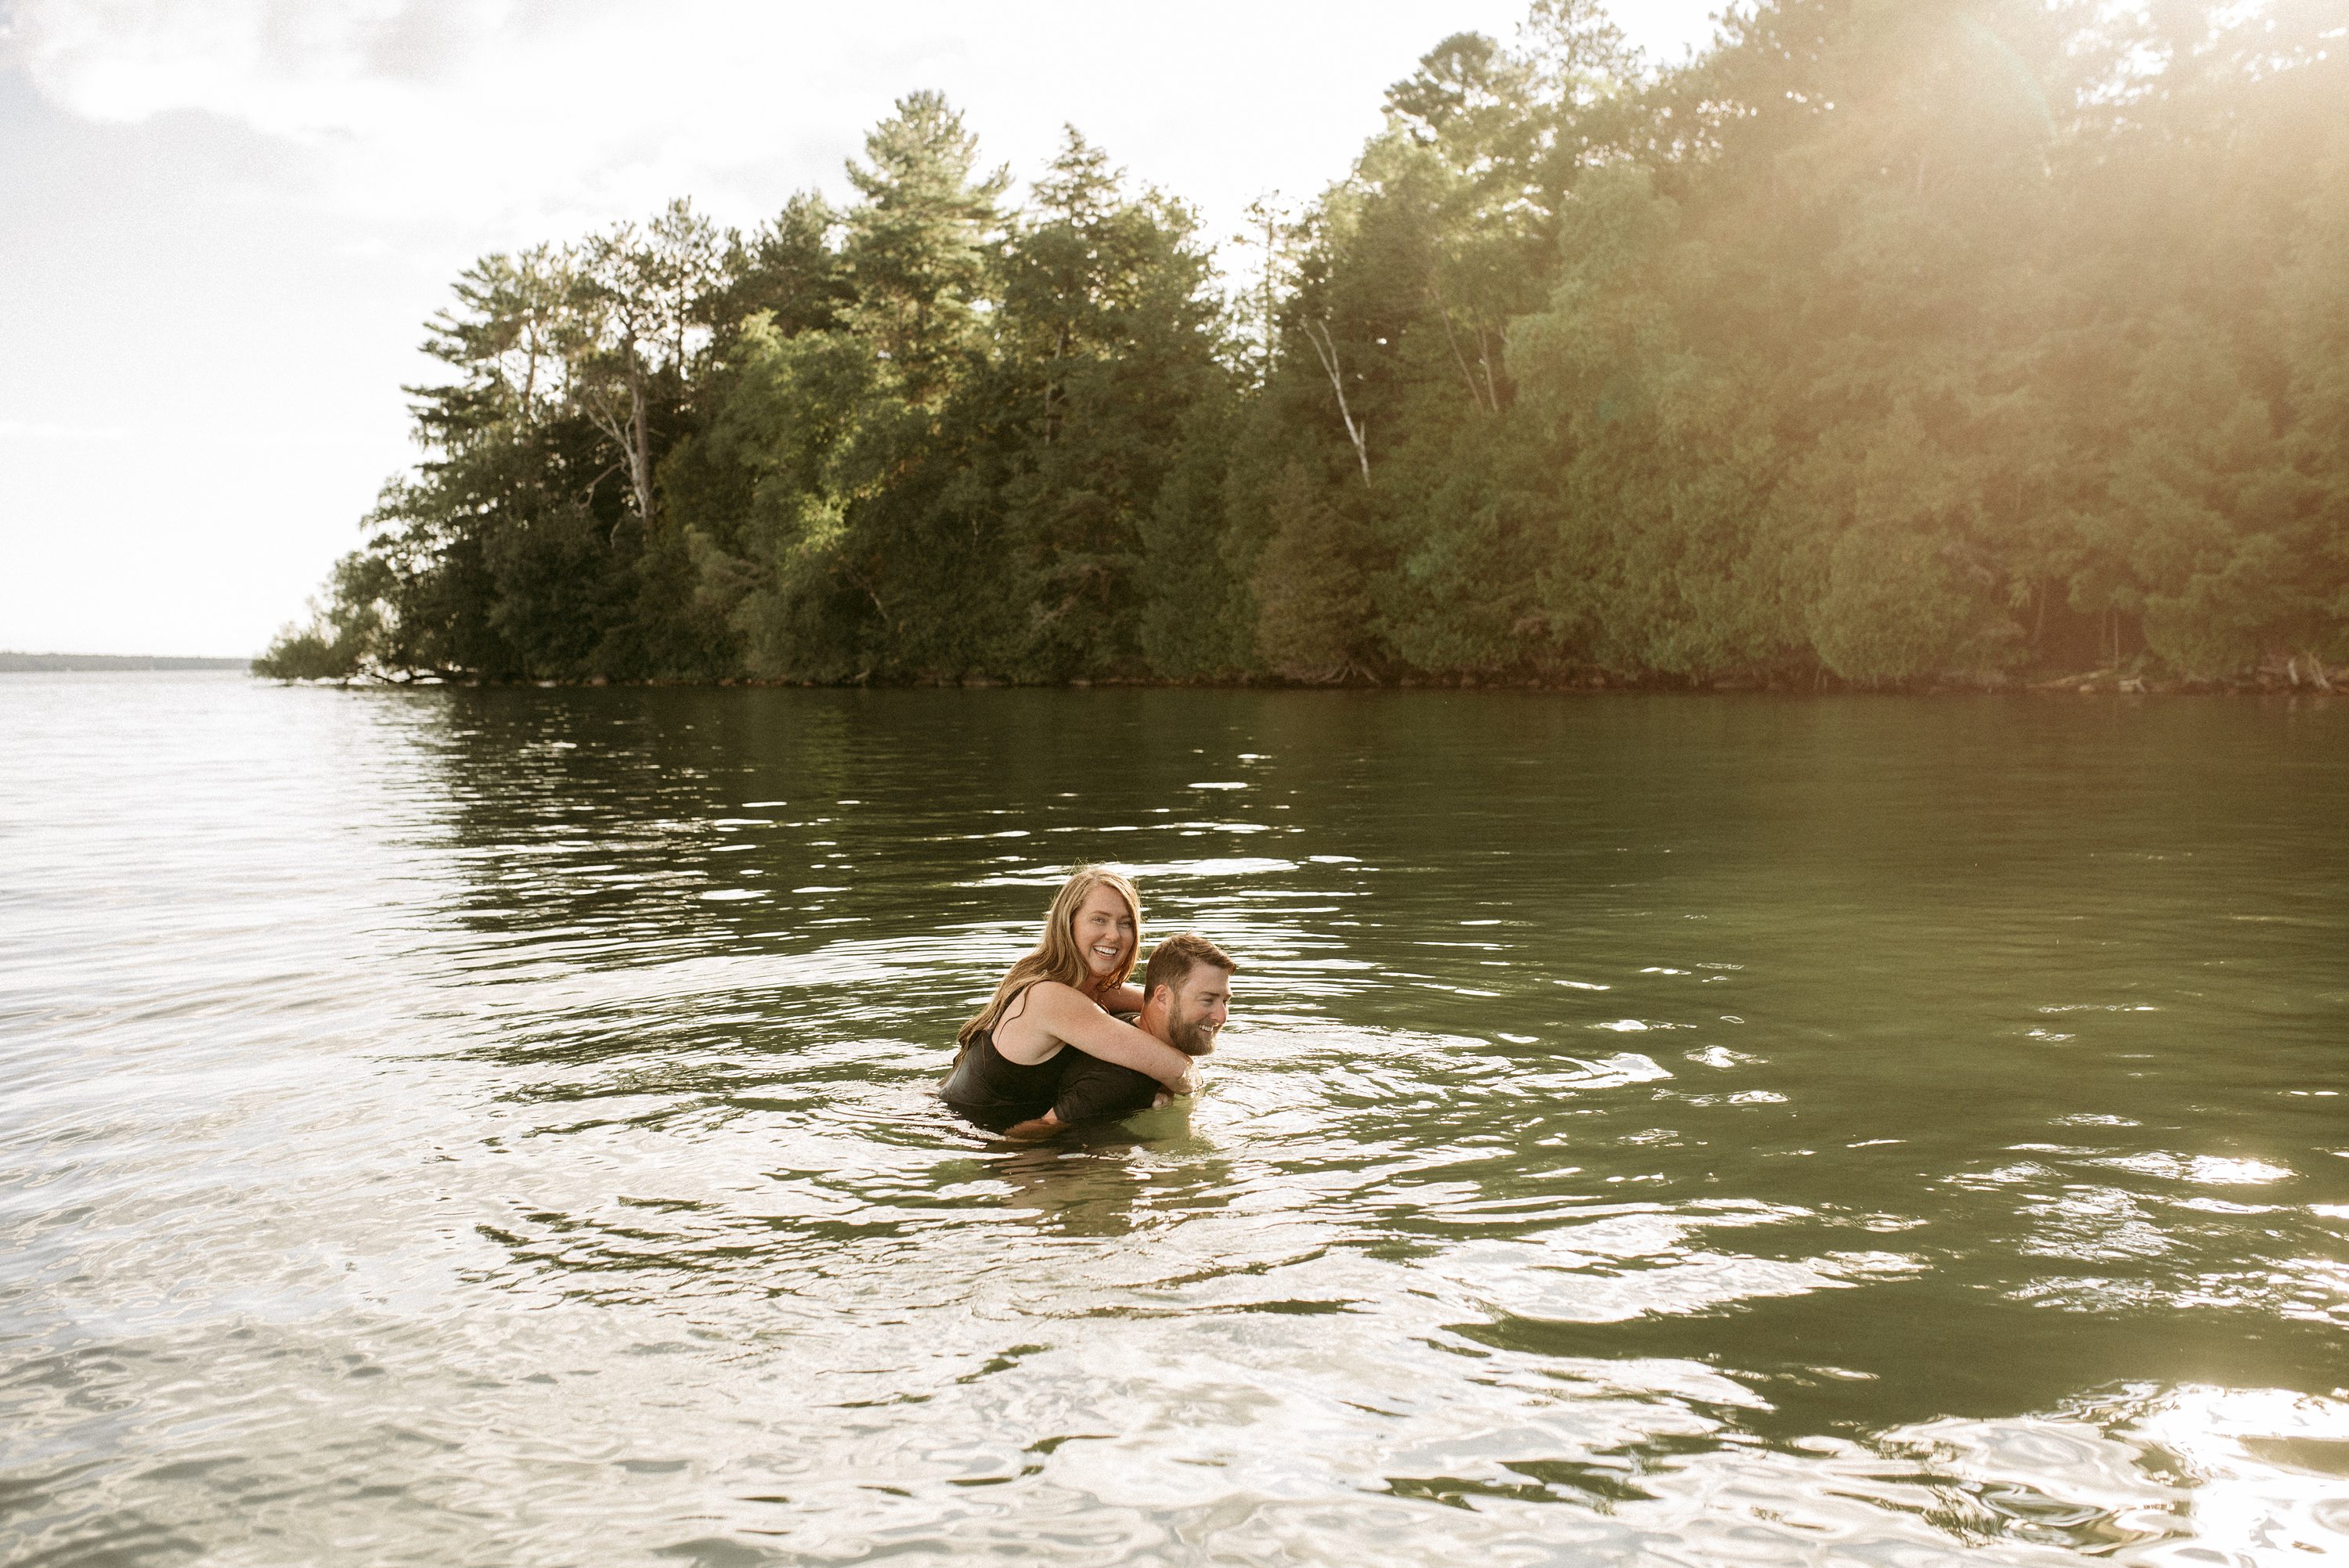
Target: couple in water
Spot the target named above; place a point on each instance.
(1049, 1050)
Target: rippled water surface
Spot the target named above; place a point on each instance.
(497, 1127)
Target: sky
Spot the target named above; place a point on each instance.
(223, 223)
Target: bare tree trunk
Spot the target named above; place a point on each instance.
(1267, 286)
(1485, 358)
(861, 581)
(1324, 349)
(1051, 383)
(607, 422)
(1266, 307)
(1443, 309)
(640, 450)
(631, 432)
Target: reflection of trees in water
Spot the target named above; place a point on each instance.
(603, 815)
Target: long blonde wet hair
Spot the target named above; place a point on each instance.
(1058, 955)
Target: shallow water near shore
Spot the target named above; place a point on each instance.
(496, 1126)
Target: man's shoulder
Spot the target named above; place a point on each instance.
(1094, 1067)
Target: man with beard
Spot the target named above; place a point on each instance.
(1186, 992)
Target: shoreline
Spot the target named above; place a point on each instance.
(2098, 682)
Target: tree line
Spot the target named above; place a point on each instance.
(1881, 344)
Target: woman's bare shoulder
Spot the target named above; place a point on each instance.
(1040, 1001)
(1057, 996)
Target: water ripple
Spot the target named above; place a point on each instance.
(500, 1126)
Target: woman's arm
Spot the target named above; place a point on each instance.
(1070, 1017)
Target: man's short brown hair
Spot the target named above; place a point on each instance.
(1172, 961)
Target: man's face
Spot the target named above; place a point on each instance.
(1197, 1006)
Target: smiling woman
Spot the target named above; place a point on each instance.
(1012, 1052)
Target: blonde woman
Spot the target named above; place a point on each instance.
(1012, 1052)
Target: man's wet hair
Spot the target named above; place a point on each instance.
(1172, 961)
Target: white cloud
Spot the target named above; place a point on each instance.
(508, 111)
(44, 430)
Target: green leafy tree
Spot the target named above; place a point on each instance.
(1111, 333)
(919, 244)
(1887, 344)
(1312, 587)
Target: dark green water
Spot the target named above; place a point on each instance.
(455, 1127)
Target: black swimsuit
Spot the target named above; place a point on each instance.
(992, 1089)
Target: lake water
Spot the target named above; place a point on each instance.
(497, 1127)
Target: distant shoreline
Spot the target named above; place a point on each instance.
(36, 664)
(2266, 680)
(2089, 683)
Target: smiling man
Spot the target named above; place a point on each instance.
(1186, 994)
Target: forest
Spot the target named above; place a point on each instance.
(1885, 345)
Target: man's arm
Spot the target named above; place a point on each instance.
(1092, 1091)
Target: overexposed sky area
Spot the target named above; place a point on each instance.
(222, 221)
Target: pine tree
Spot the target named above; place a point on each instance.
(1312, 590)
